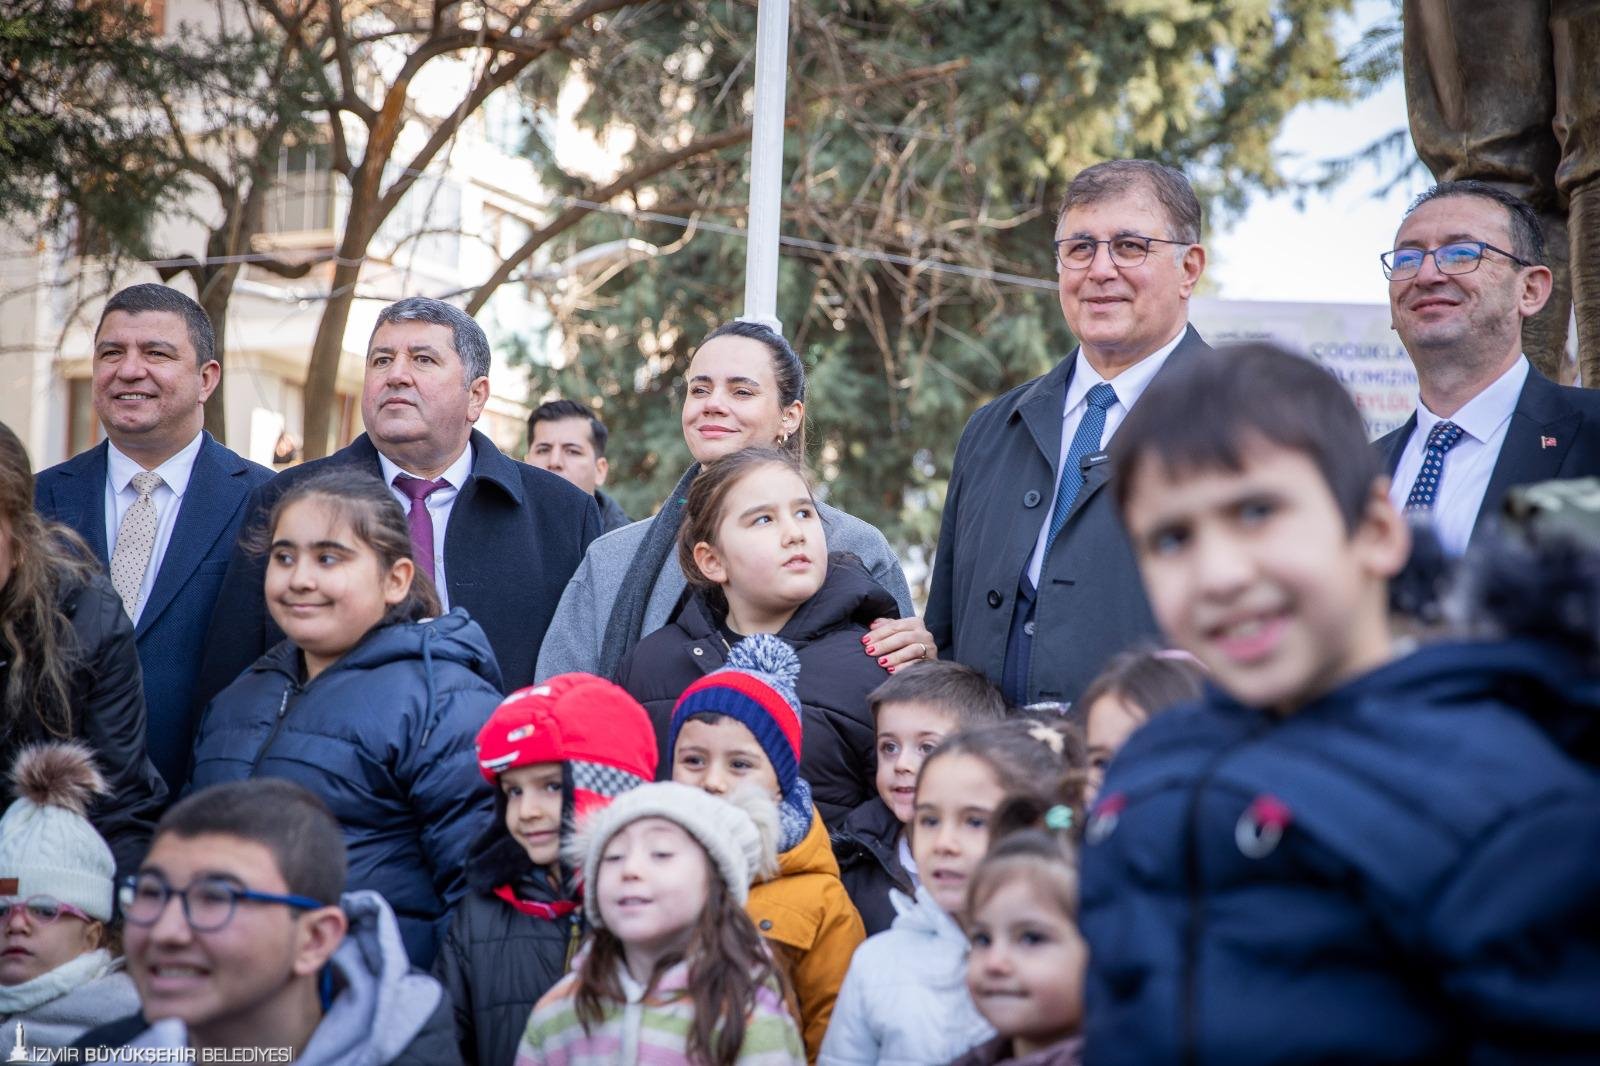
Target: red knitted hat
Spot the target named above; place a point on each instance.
(589, 723)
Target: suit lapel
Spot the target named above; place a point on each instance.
(207, 507)
(1542, 429)
(1397, 444)
(81, 499)
(1041, 410)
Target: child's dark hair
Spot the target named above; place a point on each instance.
(1034, 834)
(728, 962)
(1148, 679)
(375, 519)
(287, 819)
(702, 510)
(1043, 857)
(1021, 753)
(969, 697)
(1208, 410)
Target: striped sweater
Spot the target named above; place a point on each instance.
(650, 1030)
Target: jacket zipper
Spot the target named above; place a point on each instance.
(291, 689)
(1191, 867)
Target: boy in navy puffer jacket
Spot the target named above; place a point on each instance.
(1336, 856)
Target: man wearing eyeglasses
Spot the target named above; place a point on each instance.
(1466, 271)
(1034, 582)
(243, 948)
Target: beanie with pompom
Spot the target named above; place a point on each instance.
(739, 834)
(755, 688)
(47, 846)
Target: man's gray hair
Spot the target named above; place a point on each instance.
(471, 344)
(1118, 177)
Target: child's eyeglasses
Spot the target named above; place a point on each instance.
(42, 910)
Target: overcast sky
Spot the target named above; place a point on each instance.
(1269, 252)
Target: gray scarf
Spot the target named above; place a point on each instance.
(654, 555)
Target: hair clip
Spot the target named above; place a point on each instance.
(1048, 735)
(1178, 655)
(1058, 817)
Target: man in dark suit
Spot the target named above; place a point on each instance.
(1034, 582)
(159, 500)
(499, 538)
(1467, 269)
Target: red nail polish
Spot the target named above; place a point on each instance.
(883, 661)
(891, 669)
(865, 639)
(871, 650)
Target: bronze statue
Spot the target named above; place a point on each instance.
(1509, 93)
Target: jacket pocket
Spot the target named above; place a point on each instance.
(794, 927)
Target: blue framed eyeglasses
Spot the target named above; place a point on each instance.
(208, 904)
(1457, 257)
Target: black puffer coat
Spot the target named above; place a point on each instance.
(107, 714)
(835, 677)
(497, 961)
(867, 846)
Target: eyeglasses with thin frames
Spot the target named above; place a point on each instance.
(208, 903)
(1455, 258)
(1127, 250)
(41, 910)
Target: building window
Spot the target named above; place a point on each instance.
(83, 427)
(302, 200)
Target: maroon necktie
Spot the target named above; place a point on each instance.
(420, 521)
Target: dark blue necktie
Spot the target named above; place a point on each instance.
(1084, 442)
(1425, 489)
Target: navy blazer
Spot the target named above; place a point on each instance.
(1092, 603)
(1554, 433)
(515, 536)
(172, 628)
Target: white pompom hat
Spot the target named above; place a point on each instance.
(47, 846)
(739, 833)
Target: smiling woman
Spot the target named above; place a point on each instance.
(744, 387)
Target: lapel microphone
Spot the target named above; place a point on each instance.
(1093, 459)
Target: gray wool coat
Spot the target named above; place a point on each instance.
(573, 640)
(1091, 602)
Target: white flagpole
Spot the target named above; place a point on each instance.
(766, 164)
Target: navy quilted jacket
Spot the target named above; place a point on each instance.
(1407, 870)
(385, 737)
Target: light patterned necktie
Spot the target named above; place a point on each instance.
(136, 540)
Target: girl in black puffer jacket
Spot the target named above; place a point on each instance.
(757, 561)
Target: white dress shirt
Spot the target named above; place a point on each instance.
(167, 499)
(1129, 386)
(1484, 420)
(438, 503)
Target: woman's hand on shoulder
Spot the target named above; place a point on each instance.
(895, 642)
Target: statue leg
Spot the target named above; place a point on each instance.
(1575, 33)
(1480, 90)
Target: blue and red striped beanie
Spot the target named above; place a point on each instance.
(756, 689)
